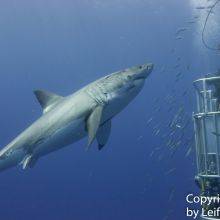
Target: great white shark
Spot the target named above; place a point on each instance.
(65, 120)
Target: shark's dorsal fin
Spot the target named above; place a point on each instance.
(47, 99)
(93, 123)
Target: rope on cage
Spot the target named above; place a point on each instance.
(204, 28)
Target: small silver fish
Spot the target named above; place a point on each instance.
(188, 152)
(170, 171)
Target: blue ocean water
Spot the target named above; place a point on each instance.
(61, 46)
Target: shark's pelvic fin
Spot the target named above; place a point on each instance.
(28, 162)
(93, 123)
(103, 134)
(47, 99)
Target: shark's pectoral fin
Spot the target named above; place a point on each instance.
(47, 99)
(93, 123)
(103, 134)
(28, 162)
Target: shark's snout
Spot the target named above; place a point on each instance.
(146, 70)
(141, 72)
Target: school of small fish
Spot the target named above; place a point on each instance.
(175, 133)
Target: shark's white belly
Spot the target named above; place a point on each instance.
(117, 104)
(62, 137)
(76, 130)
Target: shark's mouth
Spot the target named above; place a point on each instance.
(139, 82)
(140, 77)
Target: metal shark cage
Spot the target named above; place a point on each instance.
(207, 139)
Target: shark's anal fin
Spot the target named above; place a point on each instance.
(103, 134)
(93, 123)
(28, 162)
(47, 99)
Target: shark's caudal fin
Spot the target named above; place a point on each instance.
(47, 99)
